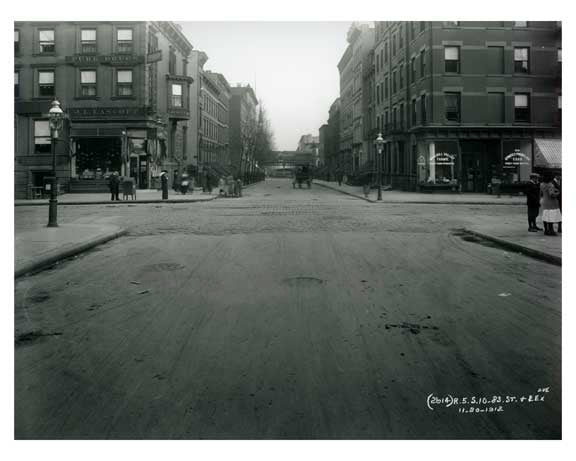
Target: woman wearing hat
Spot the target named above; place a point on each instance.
(550, 206)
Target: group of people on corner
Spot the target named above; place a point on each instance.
(229, 187)
(545, 193)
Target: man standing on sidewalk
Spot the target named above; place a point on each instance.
(114, 184)
(533, 202)
(164, 182)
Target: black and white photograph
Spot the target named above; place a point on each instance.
(282, 229)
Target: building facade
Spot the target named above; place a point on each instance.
(333, 139)
(125, 89)
(461, 104)
(243, 121)
(322, 145)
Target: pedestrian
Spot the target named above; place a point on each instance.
(230, 186)
(239, 186)
(366, 188)
(339, 178)
(557, 181)
(176, 181)
(164, 181)
(550, 206)
(533, 202)
(221, 186)
(114, 185)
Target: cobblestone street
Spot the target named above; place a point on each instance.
(287, 314)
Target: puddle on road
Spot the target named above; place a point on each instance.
(467, 237)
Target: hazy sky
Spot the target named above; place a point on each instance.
(292, 65)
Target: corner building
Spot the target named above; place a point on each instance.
(125, 89)
(462, 103)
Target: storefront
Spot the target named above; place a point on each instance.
(437, 165)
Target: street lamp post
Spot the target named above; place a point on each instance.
(379, 143)
(55, 115)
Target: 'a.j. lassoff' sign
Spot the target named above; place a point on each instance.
(515, 159)
(442, 158)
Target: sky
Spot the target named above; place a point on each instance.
(291, 65)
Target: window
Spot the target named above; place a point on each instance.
(46, 39)
(495, 108)
(16, 84)
(495, 62)
(559, 55)
(401, 75)
(172, 62)
(16, 41)
(377, 94)
(176, 95)
(393, 45)
(400, 39)
(560, 108)
(124, 83)
(394, 82)
(386, 52)
(422, 26)
(422, 63)
(152, 43)
(386, 88)
(414, 112)
(423, 108)
(452, 59)
(401, 116)
(41, 136)
(386, 119)
(88, 40)
(451, 23)
(521, 60)
(394, 118)
(413, 69)
(87, 83)
(124, 39)
(452, 106)
(521, 107)
(520, 23)
(377, 63)
(46, 83)
(381, 58)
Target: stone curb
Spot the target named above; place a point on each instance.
(536, 254)
(419, 202)
(45, 261)
(122, 202)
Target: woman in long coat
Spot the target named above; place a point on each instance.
(550, 206)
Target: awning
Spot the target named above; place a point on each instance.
(548, 153)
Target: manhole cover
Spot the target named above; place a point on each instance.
(303, 281)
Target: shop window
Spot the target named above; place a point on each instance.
(452, 106)
(422, 63)
(16, 84)
(16, 41)
(423, 108)
(46, 83)
(452, 59)
(522, 107)
(46, 40)
(88, 41)
(87, 83)
(41, 136)
(124, 40)
(521, 60)
(124, 83)
(176, 95)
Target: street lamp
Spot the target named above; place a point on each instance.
(379, 143)
(55, 116)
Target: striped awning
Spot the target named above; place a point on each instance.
(548, 153)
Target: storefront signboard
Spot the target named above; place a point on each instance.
(516, 159)
(97, 112)
(442, 158)
(111, 59)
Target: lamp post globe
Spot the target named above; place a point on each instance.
(55, 117)
(379, 142)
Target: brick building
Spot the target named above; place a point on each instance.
(125, 89)
(461, 103)
(243, 119)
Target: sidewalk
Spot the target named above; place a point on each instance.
(394, 196)
(36, 249)
(510, 233)
(142, 196)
